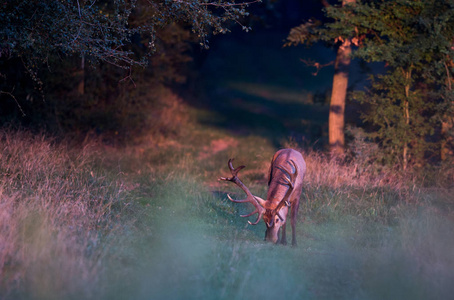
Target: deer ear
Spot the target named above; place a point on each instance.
(262, 202)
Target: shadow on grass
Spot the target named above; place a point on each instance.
(229, 211)
(243, 113)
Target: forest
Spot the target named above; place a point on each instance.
(118, 118)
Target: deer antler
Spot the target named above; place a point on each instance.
(256, 201)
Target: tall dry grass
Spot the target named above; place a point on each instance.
(55, 210)
(357, 185)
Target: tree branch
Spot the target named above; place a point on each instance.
(17, 102)
(227, 4)
(317, 65)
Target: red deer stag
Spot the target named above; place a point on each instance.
(284, 190)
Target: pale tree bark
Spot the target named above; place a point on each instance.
(339, 96)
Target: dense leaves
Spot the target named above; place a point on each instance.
(411, 104)
(102, 30)
(34, 30)
(48, 49)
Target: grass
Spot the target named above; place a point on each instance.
(151, 221)
(95, 223)
(56, 207)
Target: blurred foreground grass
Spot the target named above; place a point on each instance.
(93, 222)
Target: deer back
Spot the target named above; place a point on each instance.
(284, 163)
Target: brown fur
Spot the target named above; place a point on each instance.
(285, 162)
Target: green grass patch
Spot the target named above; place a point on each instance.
(194, 245)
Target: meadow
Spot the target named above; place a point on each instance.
(133, 209)
(152, 221)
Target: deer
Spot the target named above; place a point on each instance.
(285, 184)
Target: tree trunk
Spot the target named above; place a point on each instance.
(447, 139)
(339, 95)
(406, 115)
(80, 75)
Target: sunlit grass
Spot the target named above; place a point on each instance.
(98, 223)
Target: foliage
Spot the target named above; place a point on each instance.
(49, 49)
(117, 111)
(101, 30)
(401, 121)
(408, 103)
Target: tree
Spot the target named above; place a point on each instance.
(78, 54)
(339, 94)
(103, 31)
(414, 39)
(412, 101)
(306, 34)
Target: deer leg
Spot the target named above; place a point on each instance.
(283, 240)
(294, 214)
